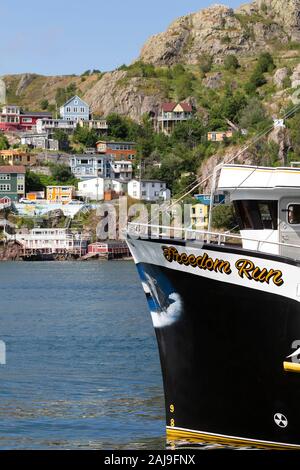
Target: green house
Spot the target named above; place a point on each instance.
(12, 182)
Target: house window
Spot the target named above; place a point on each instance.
(20, 187)
(4, 177)
(214, 136)
(144, 193)
(75, 110)
(68, 109)
(4, 187)
(82, 110)
(76, 102)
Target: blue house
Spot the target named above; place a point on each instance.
(205, 199)
(75, 109)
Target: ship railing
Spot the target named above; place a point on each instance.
(140, 230)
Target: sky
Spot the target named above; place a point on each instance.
(61, 37)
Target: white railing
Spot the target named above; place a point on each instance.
(204, 236)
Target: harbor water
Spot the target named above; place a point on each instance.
(82, 368)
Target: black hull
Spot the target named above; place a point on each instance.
(222, 360)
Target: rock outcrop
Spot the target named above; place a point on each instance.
(24, 82)
(220, 30)
(116, 93)
(10, 251)
(295, 77)
(280, 76)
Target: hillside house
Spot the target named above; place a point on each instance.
(148, 190)
(12, 182)
(12, 118)
(75, 109)
(171, 114)
(117, 150)
(219, 136)
(17, 157)
(199, 216)
(40, 141)
(60, 194)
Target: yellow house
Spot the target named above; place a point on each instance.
(17, 157)
(219, 136)
(199, 216)
(60, 194)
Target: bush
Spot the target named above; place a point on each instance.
(223, 217)
(85, 136)
(265, 63)
(61, 172)
(4, 144)
(231, 63)
(252, 115)
(205, 63)
(44, 104)
(63, 139)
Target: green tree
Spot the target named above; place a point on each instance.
(4, 144)
(33, 182)
(64, 94)
(223, 217)
(253, 115)
(63, 139)
(118, 126)
(61, 172)
(44, 104)
(205, 63)
(183, 86)
(265, 63)
(188, 132)
(231, 63)
(85, 136)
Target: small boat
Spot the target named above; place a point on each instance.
(226, 312)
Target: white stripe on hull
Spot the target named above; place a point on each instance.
(145, 251)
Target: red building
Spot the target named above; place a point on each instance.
(117, 150)
(13, 119)
(109, 249)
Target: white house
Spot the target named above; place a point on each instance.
(148, 190)
(92, 189)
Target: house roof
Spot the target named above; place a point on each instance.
(148, 181)
(73, 98)
(37, 114)
(107, 142)
(12, 169)
(169, 107)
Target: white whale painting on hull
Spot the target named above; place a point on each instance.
(169, 309)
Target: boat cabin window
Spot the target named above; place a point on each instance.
(294, 214)
(257, 215)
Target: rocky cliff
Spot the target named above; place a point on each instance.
(220, 30)
(216, 31)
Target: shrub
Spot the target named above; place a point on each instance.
(223, 217)
(265, 63)
(205, 63)
(4, 144)
(231, 63)
(44, 104)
